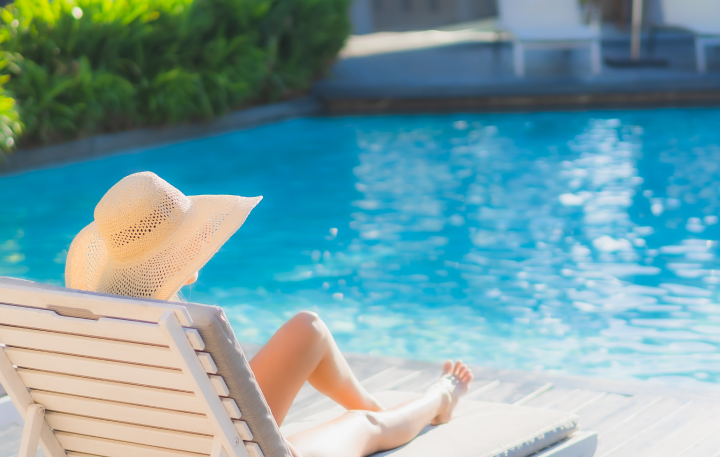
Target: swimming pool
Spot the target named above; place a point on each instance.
(583, 243)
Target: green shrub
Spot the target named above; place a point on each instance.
(10, 126)
(77, 67)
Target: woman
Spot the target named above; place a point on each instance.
(149, 240)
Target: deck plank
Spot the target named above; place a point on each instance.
(613, 409)
(496, 394)
(505, 392)
(685, 436)
(663, 425)
(551, 396)
(10, 441)
(543, 389)
(667, 426)
(577, 400)
(621, 432)
(426, 378)
(709, 447)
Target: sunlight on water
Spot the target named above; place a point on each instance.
(578, 242)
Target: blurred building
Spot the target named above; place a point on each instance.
(370, 16)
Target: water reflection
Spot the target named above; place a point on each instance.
(535, 255)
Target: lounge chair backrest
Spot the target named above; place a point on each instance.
(119, 376)
(690, 13)
(539, 14)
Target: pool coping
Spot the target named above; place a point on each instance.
(106, 144)
(530, 102)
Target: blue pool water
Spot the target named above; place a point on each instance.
(584, 243)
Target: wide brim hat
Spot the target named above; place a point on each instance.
(148, 239)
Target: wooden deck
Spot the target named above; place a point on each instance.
(632, 418)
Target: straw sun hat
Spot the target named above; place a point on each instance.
(148, 239)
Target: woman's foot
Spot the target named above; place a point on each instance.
(454, 383)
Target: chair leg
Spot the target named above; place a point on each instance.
(652, 32)
(496, 47)
(30, 440)
(700, 55)
(595, 57)
(217, 449)
(519, 59)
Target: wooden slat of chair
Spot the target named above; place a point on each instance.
(97, 348)
(100, 305)
(123, 412)
(108, 370)
(113, 448)
(109, 328)
(150, 436)
(119, 392)
(126, 412)
(133, 414)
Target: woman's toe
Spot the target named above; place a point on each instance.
(457, 367)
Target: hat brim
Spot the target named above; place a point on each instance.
(210, 221)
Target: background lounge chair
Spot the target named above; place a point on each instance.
(548, 24)
(104, 375)
(701, 17)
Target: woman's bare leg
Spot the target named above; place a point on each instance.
(304, 350)
(362, 433)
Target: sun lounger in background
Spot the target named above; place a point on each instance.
(104, 375)
(548, 24)
(701, 17)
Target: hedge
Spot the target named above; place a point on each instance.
(10, 126)
(78, 67)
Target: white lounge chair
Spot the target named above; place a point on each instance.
(103, 375)
(701, 17)
(548, 24)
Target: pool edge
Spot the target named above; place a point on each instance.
(111, 143)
